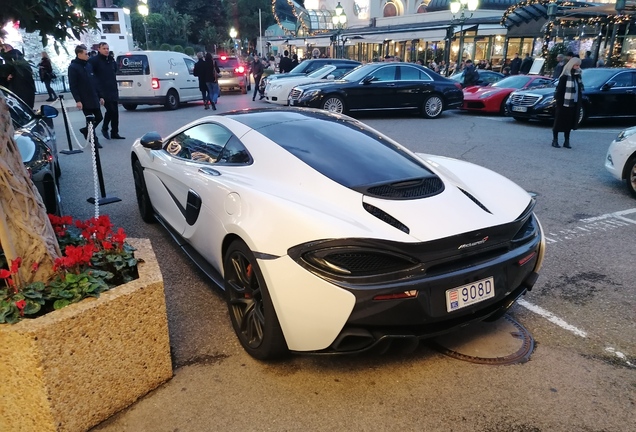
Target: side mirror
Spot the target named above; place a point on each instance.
(331, 77)
(368, 79)
(48, 112)
(152, 141)
(608, 85)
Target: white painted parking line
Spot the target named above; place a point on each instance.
(621, 356)
(594, 225)
(551, 317)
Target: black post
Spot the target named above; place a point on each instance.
(68, 134)
(104, 199)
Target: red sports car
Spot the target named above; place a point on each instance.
(492, 99)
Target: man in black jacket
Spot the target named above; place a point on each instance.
(285, 64)
(104, 68)
(515, 65)
(257, 72)
(526, 65)
(84, 89)
(199, 72)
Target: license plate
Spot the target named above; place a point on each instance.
(520, 108)
(466, 295)
(124, 83)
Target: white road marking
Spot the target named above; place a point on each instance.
(620, 355)
(593, 225)
(551, 317)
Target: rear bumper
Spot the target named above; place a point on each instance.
(148, 100)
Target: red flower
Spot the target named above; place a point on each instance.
(35, 267)
(15, 265)
(107, 245)
(120, 236)
(20, 304)
(4, 274)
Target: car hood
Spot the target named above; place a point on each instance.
(541, 90)
(476, 92)
(285, 76)
(321, 85)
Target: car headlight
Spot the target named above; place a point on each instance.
(548, 100)
(487, 94)
(309, 93)
(624, 134)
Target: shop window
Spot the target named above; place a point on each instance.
(109, 16)
(422, 7)
(111, 28)
(392, 8)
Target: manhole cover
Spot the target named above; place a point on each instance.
(501, 342)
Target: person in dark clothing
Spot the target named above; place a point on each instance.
(568, 97)
(46, 75)
(526, 65)
(257, 73)
(588, 61)
(470, 74)
(559, 66)
(294, 62)
(199, 72)
(515, 65)
(10, 53)
(104, 68)
(211, 73)
(85, 89)
(17, 76)
(285, 64)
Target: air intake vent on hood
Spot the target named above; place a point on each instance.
(385, 217)
(475, 200)
(419, 188)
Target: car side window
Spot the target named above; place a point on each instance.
(408, 73)
(235, 152)
(488, 78)
(190, 65)
(386, 73)
(201, 143)
(623, 80)
(20, 113)
(340, 71)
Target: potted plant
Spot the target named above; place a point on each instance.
(90, 341)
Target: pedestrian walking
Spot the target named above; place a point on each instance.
(199, 72)
(46, 75)
(588, 61)
(212, 72)
(85, 90)
(515, 65)
(568, 97)
(294, 62)
(16, 74)
(470, 76)
(285, 64)
(526, 65)
(257, 73)
(105, 68)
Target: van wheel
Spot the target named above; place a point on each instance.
(172, 100)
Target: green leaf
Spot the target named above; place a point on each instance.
(31, 308)
(59, 304)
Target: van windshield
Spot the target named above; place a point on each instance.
(133, 64)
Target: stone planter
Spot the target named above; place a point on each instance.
(73, 368)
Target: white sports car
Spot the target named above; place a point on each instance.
(620, 160)
(277, 91)
(329, 237)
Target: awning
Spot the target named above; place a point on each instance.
(432, 34)
(491, 30)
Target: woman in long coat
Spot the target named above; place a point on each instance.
(568, 98)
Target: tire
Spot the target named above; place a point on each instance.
(143, 200)
(503, 110)
(250, 305)
(630, 175)
(50, 197)
(172, 100)
(521, 119)
(129, 107)
(432, 107)
(58, 170)
(333, 104)
(243, 90)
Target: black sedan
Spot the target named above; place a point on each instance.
(35, 140)
(607, 93)
(486, 77)
(382, 86)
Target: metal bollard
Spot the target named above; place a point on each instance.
(66, 126)
(97, 168)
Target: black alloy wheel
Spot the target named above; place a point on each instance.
(129, 107)
(172, 100)
(143, 200)
(503, 110)
(250, 306)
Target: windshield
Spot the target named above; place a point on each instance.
(358, 73)
(516, 82)
(301, 67)
(596, 78)
(319, 73)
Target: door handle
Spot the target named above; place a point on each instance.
(209, 171)
(390, 85)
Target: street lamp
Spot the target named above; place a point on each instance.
(143, 11)
(339, 21)
(233, 35)
(460, 6)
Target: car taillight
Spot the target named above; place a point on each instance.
(155, 83)
(239, 69)
(223, 57)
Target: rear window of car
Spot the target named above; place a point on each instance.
(228, 63)
(346, 152)
(133, 64)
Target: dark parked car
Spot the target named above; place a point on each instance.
(305, 68)
(486, 77)
(607, 93)
(383, 86)
(36, 142)
(234, 75)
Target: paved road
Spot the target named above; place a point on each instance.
(582, 312)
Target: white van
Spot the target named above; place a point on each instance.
(156, 78)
